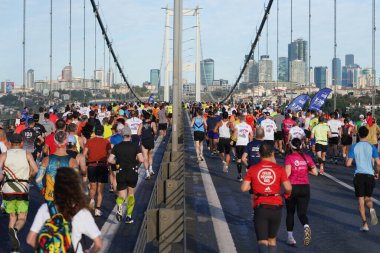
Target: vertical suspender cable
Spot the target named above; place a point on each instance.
(373, 56)
(278, 12)
(95, 78)
(23, 54)
(335, 46)
(84, 51)
(291, 40)
(71, 76)
(51, 50)
(104, 62)
(309, 65)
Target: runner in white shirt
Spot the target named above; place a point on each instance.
(296, 132)
(244, 134)
(335, 125)
(134, 122)
(269, 127)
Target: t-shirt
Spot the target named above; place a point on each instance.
(266, 178)
(270, 128)
(162, 117)
(313, 123)
(97, 149)
(40, 129)
(363, 152)
(82, 224)
(296, 132)
(288, 124)
(19, 129)
(3, 148)
(134, 124)
(51, 143)
(300, 172)
(307, 123)
(278, 119)
(125, 154)
(211, 123)
(372, 135)
(107, 131)
(53, 118)
(334, 125)
(29, 137)
(321, 133)
(48, 125)
(252, 149)
(243, 131)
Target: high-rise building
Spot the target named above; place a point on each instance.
(311, 75)
(155, 78)
(30, 79)
(320, 77)
(351, 75)
(298, 50)
(336, 71)
(251, 74)
(67, 74)
(207, 72)
(99, 79)
(283, 69)
(350, 59)
(110, 78)
(265, 69)
(297, 72)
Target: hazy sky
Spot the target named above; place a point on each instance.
(137, 31)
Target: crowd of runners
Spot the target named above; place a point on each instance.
(253, 135)
(70, 156)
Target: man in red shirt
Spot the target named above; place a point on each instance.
(266, 178)
(50, 144)
(287, 124)
(97, 150)
(21, 127)
(53, 118)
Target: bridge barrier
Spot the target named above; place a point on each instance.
(163, 228)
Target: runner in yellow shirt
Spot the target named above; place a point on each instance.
(321, 133)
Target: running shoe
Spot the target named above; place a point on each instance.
(92, 204)
(128, 220)
(291, 241)
(119, 213)
(147, 175)
(374, 219)
(225, 168)
(201, 157)
(151, 172)
(322, 171)
(364, 229)
(239, 178)
(98, 212)
(15, 242)
(306, 235)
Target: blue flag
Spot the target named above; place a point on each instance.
(319, 99)
(298, 103)
(151, 99)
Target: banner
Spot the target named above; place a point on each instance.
(319, 99)
(298, 103)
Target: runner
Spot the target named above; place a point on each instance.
(147, 130)
(29, 137)
(243, 133)
(213, 137)
(224, 128)
(279, 134)
(288, 123)
(50, 144)
(321, 133)
(365, 177)
(347, 131)
(19, 167)
(335, 129)
(126, 156)
(97, 150)
(134, 123)
(297, 166)
(71, 202)
(296, 132)
(374, 132)
(270, 128)
(72, 151)
(199, 125)
(266, 178)
(162, 122)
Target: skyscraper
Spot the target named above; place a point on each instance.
(110, 78)
(320, 77)
(350, 59)
(297, 73)
(336, 71)
(67, 73)
(283, 69)
(265, 69)
(155, 78)
(207, 72)
(30, 79)
(350, 76)
(298, 50)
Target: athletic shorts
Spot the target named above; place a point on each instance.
(148, 144)
(126, 178)
(162, 126)
(364, 185)
(16, 206)
(267, 222)
(278, 136)
(334, 140)
(320, 148)
(97, 173)
(199, 136)
(346, 140)
(240, 151)
(307, 133)
(135, 139)
(212, 135)
(224, 145)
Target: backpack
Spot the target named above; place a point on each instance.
(55, 235)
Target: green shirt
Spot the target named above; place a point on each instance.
(313, 123)
(321, 133)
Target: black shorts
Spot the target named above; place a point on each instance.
(278, 136)
(199, 136)
(307, 133)
(135, 139)
(320, 148)
(334, 140)
(162, 126)
(97, 173)
(240, 151)
(224, 145)
(126, 178)
(148, 144)
(346, 140)
(364, 185)
(267, 222)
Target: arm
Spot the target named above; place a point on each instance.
(111, 159)
(140, 158)
(154, 127)
(216, 129)
(82, 164)
(96, 246)
(85, 152)
(244, 159)
(245, 186)
(288, 170)
(314, 171)
(192, 122)
(41, 173)
(32, 239)
(287, 187)
(2, 160)
(32, 165)
(139, 130)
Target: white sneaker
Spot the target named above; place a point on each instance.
(92, 204)
(291, 241)
(374, 219)
(225, 168)
(98, 212)
(147, 175)
(119, 213)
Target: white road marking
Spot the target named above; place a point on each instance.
(377, 202)
(111, 226)
(222, 231)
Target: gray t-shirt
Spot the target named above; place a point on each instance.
(162, 117)
(278, 119)
(48, 125)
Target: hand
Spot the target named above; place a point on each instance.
(287, 196)
(376, 176)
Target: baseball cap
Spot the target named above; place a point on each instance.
(126, 132)
(51, 110)
(361, 116)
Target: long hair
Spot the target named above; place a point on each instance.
(68, 193)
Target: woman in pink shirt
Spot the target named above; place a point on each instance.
(298, 166)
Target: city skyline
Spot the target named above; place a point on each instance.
(143, 39)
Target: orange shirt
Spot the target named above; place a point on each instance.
(98, 149)
(19, 129)
(155, 112)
